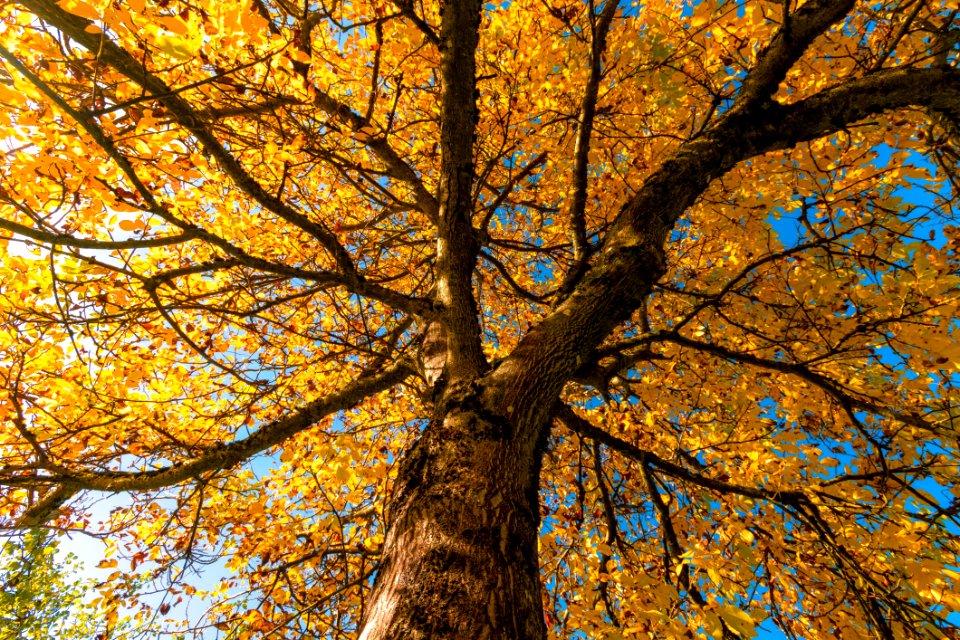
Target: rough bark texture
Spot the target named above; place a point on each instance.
(460, 558)
(457, 246)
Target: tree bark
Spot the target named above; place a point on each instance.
(460, 557)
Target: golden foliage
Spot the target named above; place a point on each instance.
(213, 214)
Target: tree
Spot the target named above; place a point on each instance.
(40, 598)
(588, 319)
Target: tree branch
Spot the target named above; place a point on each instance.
(579, 425)
(508, 188)
(347, 278)
(406, 9)
(633, 256)
(523, 293)
(798, 31)
(111, 54)
(457, 244)
(397, 167)
(581, 149)
(66, 240)
(69, 482)
(612, 536)
(846, 400)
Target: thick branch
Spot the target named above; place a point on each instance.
(66, 240)
(82, 31)
(48, 505)
(457, 245)
(799, 30)
(526, 383)
(223, 457)
(347, 278)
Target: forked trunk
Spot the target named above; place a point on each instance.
(460, 557)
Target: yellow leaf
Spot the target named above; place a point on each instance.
(81, 8)
(177, 47)
(737, 620)
(712, 626)
(175, 25)
(252, 21)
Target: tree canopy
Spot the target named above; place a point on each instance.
(489, 320)
(40, 595)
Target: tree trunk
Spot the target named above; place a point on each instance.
(460, 556)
